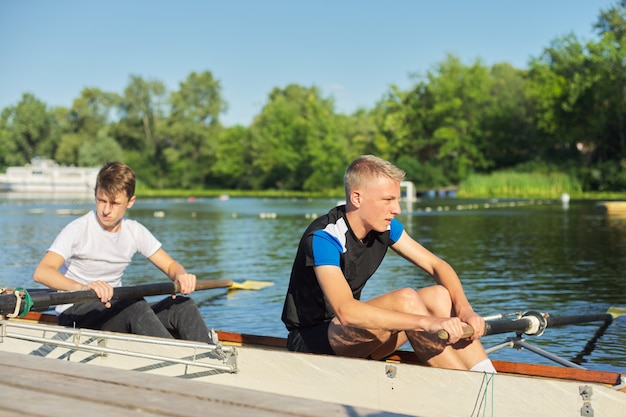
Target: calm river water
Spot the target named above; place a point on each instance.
(511, 256)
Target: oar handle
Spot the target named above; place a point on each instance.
(209, 285)
(467, 332)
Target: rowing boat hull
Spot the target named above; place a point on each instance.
(392, 386)
(417, 390)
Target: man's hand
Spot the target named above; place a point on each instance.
(453, 326)
(477, 323)
(103, 290)
(187, 283)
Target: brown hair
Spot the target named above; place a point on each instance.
(116, 177)
(368, 167)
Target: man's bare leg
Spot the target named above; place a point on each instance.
(377, 344)
(429, 348)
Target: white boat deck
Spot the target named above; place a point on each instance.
(35, 386)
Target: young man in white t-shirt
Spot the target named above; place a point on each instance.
(92, 252)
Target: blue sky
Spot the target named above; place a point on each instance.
(351, 50)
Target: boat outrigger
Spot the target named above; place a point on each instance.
(395, 385)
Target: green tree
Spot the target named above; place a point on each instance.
(558, 87)
(509, 135)
(362, 134)
(402, 119)
(609, 65)
(26, 129)
(99, 150)
(92, 111)
(192, 130)
(437, 126)
(233, 158)
(67, 151)
(579, 92)
(294, 141)
(80, 127)
(141, 108)
(398, 119)
(460, 97)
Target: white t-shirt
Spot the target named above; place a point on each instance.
(92, 253)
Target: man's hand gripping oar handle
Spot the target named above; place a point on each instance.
(533, 323)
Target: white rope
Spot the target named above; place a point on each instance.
(18, 304)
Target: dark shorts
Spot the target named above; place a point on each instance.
(312, 339)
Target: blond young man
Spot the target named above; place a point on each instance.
(339, 253)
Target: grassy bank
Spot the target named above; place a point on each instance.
(200, 193)
(497, 185)
(519, 185)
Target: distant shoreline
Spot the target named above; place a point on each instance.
(198, 193)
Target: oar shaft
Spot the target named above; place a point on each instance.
(43, 299)
(588, 318)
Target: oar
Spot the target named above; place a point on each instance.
(42, 299)
(249, 285)
(533, 323)
(591, 343)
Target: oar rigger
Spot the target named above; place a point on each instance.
(21, 296)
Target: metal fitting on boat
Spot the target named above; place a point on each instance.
(537, 323)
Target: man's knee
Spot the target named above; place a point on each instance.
(433, 300)
(408, 300)
(441, 293)
(437, 300)
(184, 303)
(178, 308)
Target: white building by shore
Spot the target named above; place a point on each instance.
(45, 175)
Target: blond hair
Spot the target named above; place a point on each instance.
(367, 167)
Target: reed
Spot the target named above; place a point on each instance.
(509, 184)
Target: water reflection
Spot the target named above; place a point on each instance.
(531, 256)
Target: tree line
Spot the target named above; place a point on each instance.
(565, 113)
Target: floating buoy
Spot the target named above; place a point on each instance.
(68, 212)
(159, 214)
